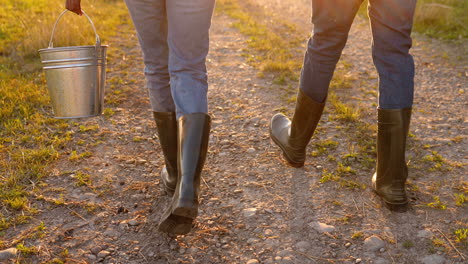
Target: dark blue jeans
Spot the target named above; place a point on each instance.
(391, 22)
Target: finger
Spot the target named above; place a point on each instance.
(73, 6)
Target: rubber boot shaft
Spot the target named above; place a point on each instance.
(293, 137)
(392, 171)
(166, 124)
(193, 137)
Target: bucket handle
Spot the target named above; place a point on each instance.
(98, 40)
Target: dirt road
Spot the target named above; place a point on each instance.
(255, 209)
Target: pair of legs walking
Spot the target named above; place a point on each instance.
(174, 37)
(391, 23)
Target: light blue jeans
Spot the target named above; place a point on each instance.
(174, 37)
(391, 23)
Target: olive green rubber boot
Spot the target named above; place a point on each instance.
(391, 172)
(166, 124)
(193, 137)
(293, 137)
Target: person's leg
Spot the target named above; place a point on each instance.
(332, 20)
(150, 20)
(188, 38)
(391, 22)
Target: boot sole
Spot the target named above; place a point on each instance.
(401, 207)
(179, 221)
(176, 224)
(395, 207)
(289, 161)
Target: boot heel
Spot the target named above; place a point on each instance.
(179, 220)
(188, 212)
(175, 224)
(400, 208)
(292, 163)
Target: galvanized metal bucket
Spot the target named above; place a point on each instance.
(75, 77)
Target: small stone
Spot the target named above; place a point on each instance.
(303, 245)
(319, 167)
(268, 232)
(91, 257)
(271, 242)
(123, 225)
(133, 222)
(95, 250)
(358, 260)
(252, 241)
(373, 243)
(433, 259)
(284, 253)
(321, 227)
(425, 233)
(249, 212)
(112, 233)
(251, 150)
(287, 260)
(382, 250)
(252, 261)
(103, 254)
(9, 253)
(258, 230)
(87, 196)
(334, 245)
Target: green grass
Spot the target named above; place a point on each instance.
(30, 139)
(408, 244)
(437, 204)
(437, 162)
(82, 179)
(460, 199)
(274, 54)
(461, 235)
(322, 147)
(444, 19)
(357, 235)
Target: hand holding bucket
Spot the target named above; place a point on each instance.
(75, 76)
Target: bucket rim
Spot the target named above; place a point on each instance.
(71, 48)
